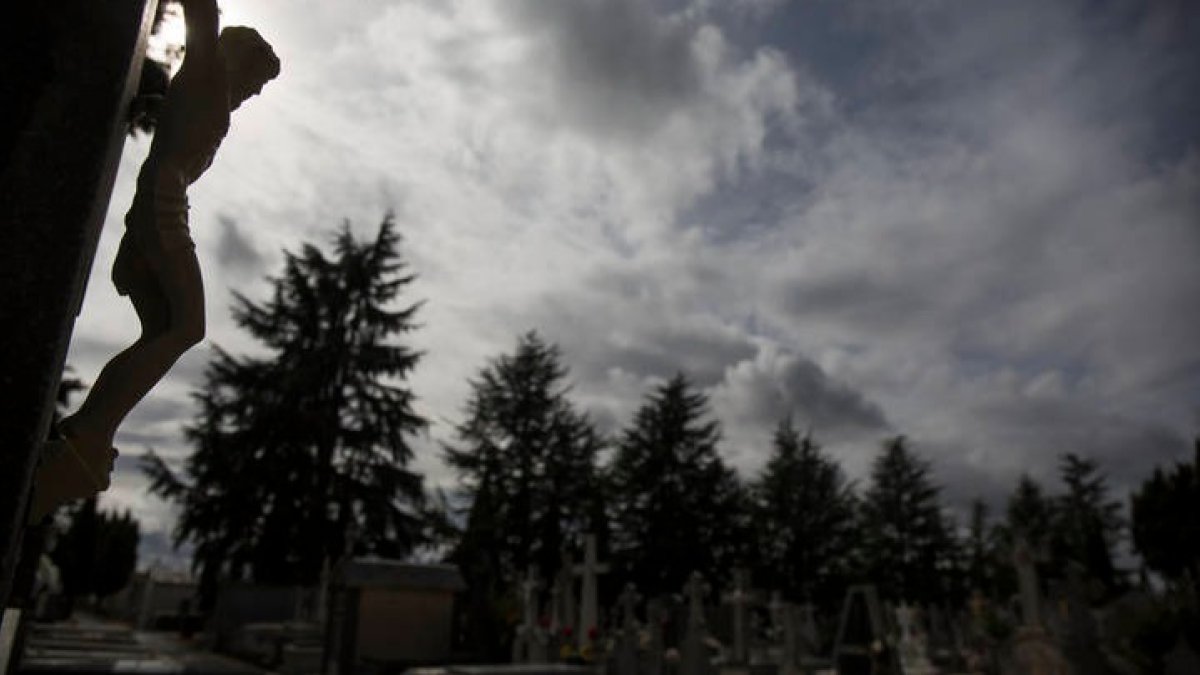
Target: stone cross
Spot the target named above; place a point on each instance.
(628, 601)
(529, 589)
(739, 599)
(784, 629)
(1028, 583)
(652, 663)
(589, 614)
(694, 655)
(564, 608)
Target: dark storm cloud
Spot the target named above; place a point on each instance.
(777, 386)
(620, 68)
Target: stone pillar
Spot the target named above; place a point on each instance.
(73, 75)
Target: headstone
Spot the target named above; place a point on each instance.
(911, 645)
(862, 646)
(739, 599)
(389, 612)
(589, 614)
(1031, 606)
(525, 639)
(1033, 652)
(694, 657)
(783, 630)
(625, 661)
(651, 642)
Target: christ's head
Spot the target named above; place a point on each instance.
(249, 62)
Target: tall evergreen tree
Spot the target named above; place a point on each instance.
(675, 506)
(97, 553)
(304, 451)
(526, 462)
(1169, 542)
(1088, 524)
(909, 547)
(1030, 513)
(804, 517)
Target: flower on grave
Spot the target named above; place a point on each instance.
(567, 631)
(593, 633)
(586, 652)
(566, 652)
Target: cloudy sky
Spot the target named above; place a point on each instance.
(973, 223)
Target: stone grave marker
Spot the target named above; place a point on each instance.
(1033, 652)
(526, 638)
(651, 639)
(911, 647)
(387, 612)
(625, 656)
(694, 657)
(862, 646)
(739, 600)
(589, 611)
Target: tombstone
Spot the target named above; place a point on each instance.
(625, 655)
(66, 80)
(526, 634)
(694, 657)
(910, 643)
(651, 641)
(783, 632)
(862, 645)
(1033, 652)
(389, 613)
(589, 615)
(739, 599)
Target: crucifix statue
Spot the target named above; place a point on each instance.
(156, 265)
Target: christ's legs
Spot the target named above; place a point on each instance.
(168, 294)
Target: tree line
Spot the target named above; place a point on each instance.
(301, 456)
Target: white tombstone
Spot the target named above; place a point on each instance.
(784, 630)
(914, 659)
(589, 613)
(626, 657)
(1028, 583)
(739, 599)
(694, 654)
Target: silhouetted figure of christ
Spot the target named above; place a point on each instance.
(156, 265)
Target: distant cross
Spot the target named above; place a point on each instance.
(1028, 582)
(783, 629)
(628, 601)
(564, 586)
(739, 599)
(589, 614)
(529, 589)
(695, 590)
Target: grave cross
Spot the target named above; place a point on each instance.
(739, 599)
(1028, 582)
(628, 601)
(589, 614)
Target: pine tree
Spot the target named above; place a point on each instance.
(97, 553)
(1088, 525)
(1168, 542)
(675, 507)
(909, 547)
(526, 463)
(302, 454)
(804, 515)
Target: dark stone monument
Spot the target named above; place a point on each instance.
(66, 82)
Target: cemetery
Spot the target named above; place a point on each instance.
(551, 543)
